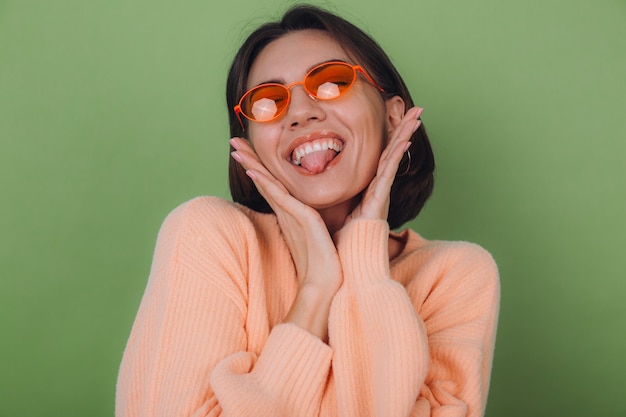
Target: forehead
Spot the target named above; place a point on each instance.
(291, 56)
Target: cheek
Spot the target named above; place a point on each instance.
(374, 131)
(385, 134)
(265, 145)
(379, 138)
(261, 140)
(373, 117)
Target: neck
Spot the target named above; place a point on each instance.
(335, 217)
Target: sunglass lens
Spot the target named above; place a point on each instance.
(329, 81)
(265, 103)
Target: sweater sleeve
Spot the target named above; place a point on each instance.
(388, 361)
(188, 354)
(380, 343)
(460, 313)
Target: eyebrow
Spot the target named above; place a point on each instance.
(281, 82)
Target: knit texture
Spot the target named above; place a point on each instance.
(410, 337)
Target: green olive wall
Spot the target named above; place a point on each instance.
(112, 113)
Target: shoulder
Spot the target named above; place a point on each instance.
(212, 215)
(456, 277)
(462, 262)
(210, 226)
(461, 254)
(209, 209)
(446, 251)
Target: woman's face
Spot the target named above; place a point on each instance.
(355, 123)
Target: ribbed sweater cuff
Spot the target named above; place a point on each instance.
(298, 363)
(363, 250)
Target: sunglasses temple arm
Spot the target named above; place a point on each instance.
(238, 113)
(370, 79)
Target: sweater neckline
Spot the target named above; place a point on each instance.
(412, 241)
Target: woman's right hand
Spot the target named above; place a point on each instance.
(314, 254)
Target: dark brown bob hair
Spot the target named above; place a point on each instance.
(412, 186)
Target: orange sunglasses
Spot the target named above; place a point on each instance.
(267, 102)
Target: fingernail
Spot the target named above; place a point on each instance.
(236, 156)
(233, 142)
(419, 112)
(251, 174)
(416, 125)
(407, 146)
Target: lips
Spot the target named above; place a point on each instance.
(315, 152)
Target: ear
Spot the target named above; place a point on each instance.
(395, 112)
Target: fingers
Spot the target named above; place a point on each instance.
(399, 142)
(244, 154)
(309, 242)
(270, 188)
(389, 165)
(275, 194)
(407, 126)
(375, 203)
(249, 160)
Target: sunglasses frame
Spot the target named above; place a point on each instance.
(355, 68)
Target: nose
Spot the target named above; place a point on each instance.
(303, 108)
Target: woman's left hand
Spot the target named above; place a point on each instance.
(375, 201)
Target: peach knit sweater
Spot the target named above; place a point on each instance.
(413, 337)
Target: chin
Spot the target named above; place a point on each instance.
(326, 203)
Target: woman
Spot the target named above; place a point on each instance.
(299, 301)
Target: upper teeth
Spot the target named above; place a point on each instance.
(320, 145)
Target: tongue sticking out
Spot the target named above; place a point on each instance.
(316, 162)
